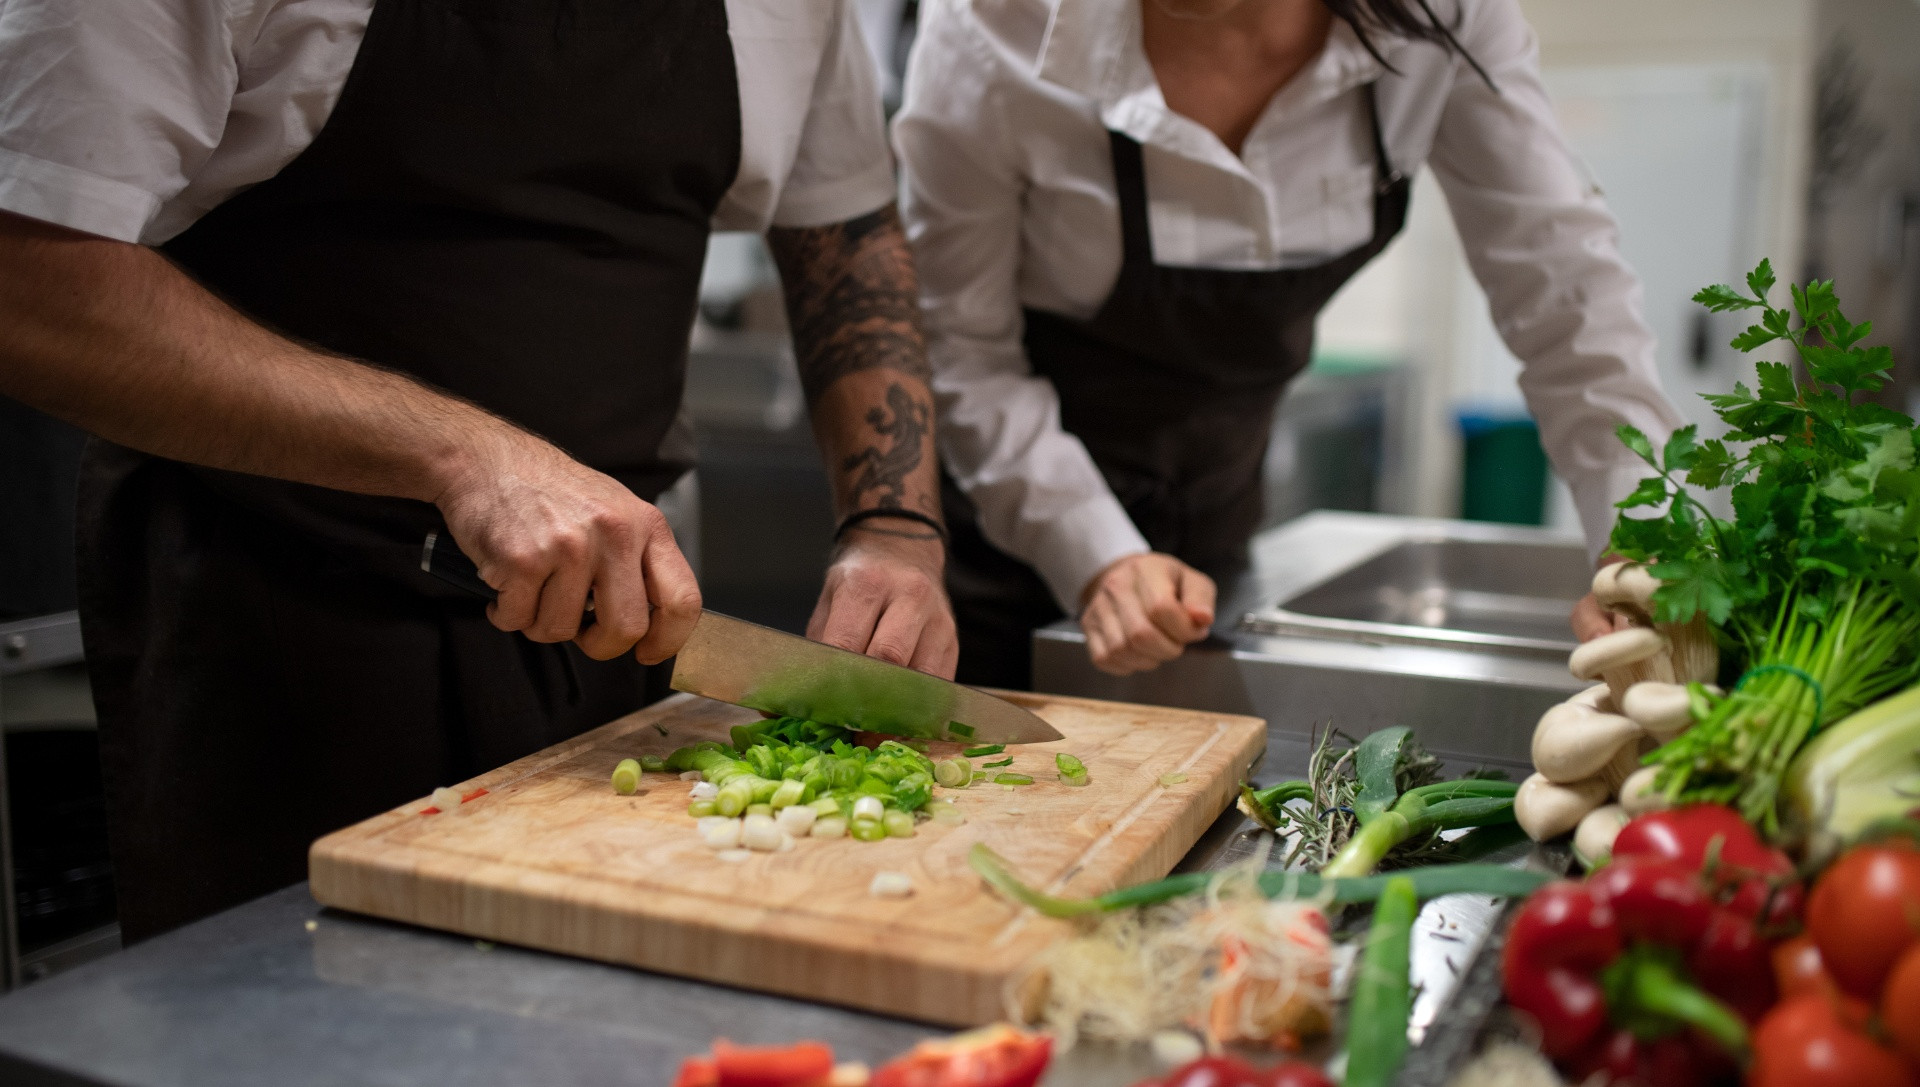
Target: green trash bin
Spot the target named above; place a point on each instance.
(1503, 469)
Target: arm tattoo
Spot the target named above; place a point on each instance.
(852, 299)
(905, 420)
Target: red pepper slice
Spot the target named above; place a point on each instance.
(996, 1056)
(802, 1064)
(697, 1072)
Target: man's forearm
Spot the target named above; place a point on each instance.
(113, 338)
(854, 305)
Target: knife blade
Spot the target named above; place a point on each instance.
(732, 660)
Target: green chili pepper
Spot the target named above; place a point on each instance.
(1382, 991)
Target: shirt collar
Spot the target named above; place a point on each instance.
(1092, 47)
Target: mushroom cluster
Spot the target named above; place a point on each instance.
(1586, 751)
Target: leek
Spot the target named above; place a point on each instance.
(1864, 769)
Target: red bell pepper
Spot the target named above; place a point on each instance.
(803, 1064)
(996, 1056)
(1229, 1071)
(1746, 874)
(1637, 972)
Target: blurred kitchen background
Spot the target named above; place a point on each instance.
(1722, 131)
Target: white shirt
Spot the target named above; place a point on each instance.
(130, 119)
(1009, 200)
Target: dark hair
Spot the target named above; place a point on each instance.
(1413, 19)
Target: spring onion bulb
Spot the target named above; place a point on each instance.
(701, 809)
(1072, 771)
(1174, 778)
(712, 821)
(626, 778)
(734, 797)
(796, 820)
(721, 833)
(942, 811)
(445, 799)
(1013, 779)
(830, 826)
(760, 833)
(702, 790)
(867, 830)
(953, 773)
(898, 824)
(868, 807)
(890, 885)
(652, 764)
(760, 809)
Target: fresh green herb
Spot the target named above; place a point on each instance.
(1815, 582)
(1013, 779)
(1383, 990)
(1377, 804)
(983, 750)
(1428, 882)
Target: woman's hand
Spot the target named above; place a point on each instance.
(1143, 611)
(1590, 620)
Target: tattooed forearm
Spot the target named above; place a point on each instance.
(852, 299)
(879, 475)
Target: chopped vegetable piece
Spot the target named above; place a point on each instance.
(1013, 779)
(796, 820)
(1072, 771)
(898, 824)
(703, 790)
(734, 856)
(996, 1056)
(826, 805)
(798, 1065)
(760, 809)
(652, 764)
(787, 795)
(957, 729)
(446, 799)
(690, 775)
(720, 833)
(1174, 778)
(890, 885)
(868, 807)
(759, 832)
(626, 777)
(1008, 761)
(701, 809)
(983, 750)
(1175, 1047)
(828, 826)
(1382, 991)
(953, 773)
(867, 830)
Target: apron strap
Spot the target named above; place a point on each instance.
(1130, 185)
(1385, 176)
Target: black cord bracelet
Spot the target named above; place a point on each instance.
(858, 516)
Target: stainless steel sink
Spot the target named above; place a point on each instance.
(1503, 595)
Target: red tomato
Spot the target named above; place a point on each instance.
(1294, 1074)
(1808, 1042)
(996, 1056)
(1798, 971)
(1215, 1072)
(799, 1065)
(1900, 1004)
(1864, 912)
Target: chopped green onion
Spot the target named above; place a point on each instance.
(958, 729)
(867, 830)
(734, 797)
(1174, 778)
(898, 824)
(760, 809)
(831, 826)
(787, 795)
(943, 811)
(826, 805)
(1013, 779)
(983, 750)
(953, 773)
(1072, 771)
(626, 777)
(700, 809)
(1008, 761)
(1076, 780)
(652, 764)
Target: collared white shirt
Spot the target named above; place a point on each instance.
(1009, 200)
(130, 119)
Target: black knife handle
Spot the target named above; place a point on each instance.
(442, 558)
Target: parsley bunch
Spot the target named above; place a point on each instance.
(1815, 582)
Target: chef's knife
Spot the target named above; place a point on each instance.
(732, 660)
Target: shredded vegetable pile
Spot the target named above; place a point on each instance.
(1230, 963)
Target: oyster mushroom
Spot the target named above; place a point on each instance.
(1545, 810)
(1574, 741)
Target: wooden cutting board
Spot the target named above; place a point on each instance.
(551, 857)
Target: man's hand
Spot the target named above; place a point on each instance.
(1590, 620)
(1143, 611)
(884, 598)
(854, 305)
(545, 530)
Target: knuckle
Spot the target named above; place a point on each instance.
(890, 651)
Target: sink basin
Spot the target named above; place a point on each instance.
(1490, 594)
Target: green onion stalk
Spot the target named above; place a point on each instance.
(1803, 674)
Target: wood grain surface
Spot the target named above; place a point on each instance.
(551, 857)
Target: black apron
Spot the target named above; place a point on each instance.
(1172, 388)
(511, 202)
